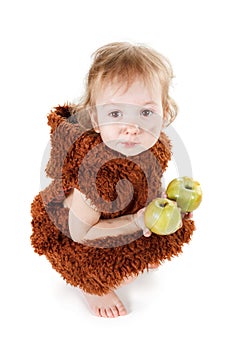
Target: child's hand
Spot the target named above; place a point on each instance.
(187, 216)
(139, 218)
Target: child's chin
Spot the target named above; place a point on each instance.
(133, 151)
(127, 149)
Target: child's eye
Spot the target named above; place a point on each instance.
(147, 113)
(115, 114)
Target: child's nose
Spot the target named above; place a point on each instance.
(131, 129)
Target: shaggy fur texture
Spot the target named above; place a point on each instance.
(117, 186)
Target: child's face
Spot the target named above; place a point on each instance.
(129, 121)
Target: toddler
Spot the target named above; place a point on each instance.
(108, 154)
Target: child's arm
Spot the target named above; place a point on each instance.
(85, 223)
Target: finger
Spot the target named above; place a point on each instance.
(141, 211)
(187, 216)
(147, 233)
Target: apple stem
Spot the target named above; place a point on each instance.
(163, 205)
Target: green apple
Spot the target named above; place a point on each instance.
(186, 192)
(162, 216)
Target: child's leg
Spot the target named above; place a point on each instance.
(109, 305)
(153, 266)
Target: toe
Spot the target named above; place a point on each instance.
(103, 312)
(121, 309)
(109, 313)
(96, 311)
(115, 311)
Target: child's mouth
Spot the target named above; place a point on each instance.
(129, 144)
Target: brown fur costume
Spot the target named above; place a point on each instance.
(117, 185)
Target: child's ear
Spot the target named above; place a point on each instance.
(94, 120)
(166, 118)
(165, 121)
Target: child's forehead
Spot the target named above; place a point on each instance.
(125, 81)
(141, 89)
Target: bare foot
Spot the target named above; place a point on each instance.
(108, 305)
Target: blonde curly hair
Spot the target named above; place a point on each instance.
(123, 62)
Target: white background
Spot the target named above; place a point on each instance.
(45, 55)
